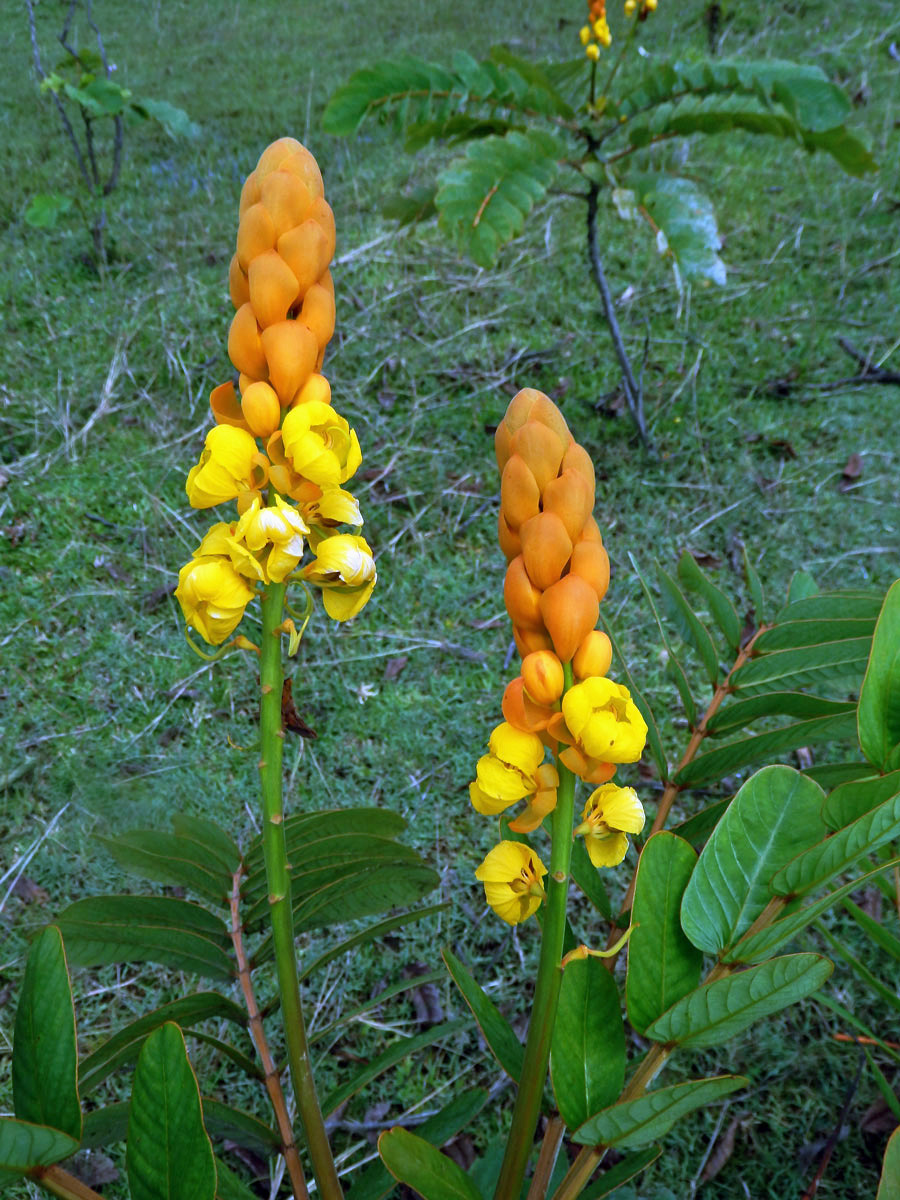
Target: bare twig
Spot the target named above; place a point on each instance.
(836, 1132)
(258, 1033)
(633, 394)
(60, 107)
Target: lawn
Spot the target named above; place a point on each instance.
(109, 721)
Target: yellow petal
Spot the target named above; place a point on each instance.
(517, 748)
(606, 851)
(502, 781)
(620, 807)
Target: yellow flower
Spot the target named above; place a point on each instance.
(592, 51)
(213, 597)
(332, 507)
(601, 32)
(630, 6)
(278, 528)
(230, 466)
(512, 771)
(604, 720)
(585, 34)
(610, 813)
(345, 571)
(221, 542)
(512, 874)
(320, 444)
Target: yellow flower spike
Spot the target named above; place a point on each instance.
(592, 51)
(610, 813)
(512, 874)
(320, 444)
(605, 721)
(230, 465)
(213, 597)
(345, 571)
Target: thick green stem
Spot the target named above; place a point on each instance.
(546, 994)
(278, 876)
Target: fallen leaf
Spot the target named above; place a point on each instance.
(851, 472)
(394, 666)
(30, 892)
(703, 558)
(426, 999)
(290, 718)
(723, 1149)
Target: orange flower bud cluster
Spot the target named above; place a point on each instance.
(558, 570)
(281, 287)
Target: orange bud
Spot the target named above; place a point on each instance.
(591, 770)
(510, 542)
(287, 200)
(238, 284)
(250, 193)
(321, 212)
(261, 409)
(529, 640)
(519, 494)
(593, 656)
(591, 532)
(542, 450)
(542, 674)
(521, 711)
(570, 497)
(244, 345)
(570, 609)
(226, 408)
(287, 154)
(273, 288)
(317, 313)
(256, 235)
(291, 353)
(316, 387)
(546, 548)
(521, 597)
(307, 251)
(591, 563)
(576, 458)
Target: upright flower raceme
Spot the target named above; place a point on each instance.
(557, 574)
(277, 438)
(596, 33)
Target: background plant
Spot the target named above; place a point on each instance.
(747, 395)
(527, 127)
(86, 96)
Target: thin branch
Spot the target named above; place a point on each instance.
(60, 107)
(60, 1183)
(633, 396)
(550, 1145)
(258, 1033)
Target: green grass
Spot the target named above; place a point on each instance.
(109, 722)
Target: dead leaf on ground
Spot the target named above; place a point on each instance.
(151, 600)
(426, 999)
(30, 892)
(394, 666)
(878, 1117)
(704, 558)
(851, 472)
(723, 1149)
(461, 1150)
(93, 1168)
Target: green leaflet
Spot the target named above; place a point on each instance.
(108, 929)
(754, 586)
(876, 931)
(484, 197)
(374, 1183)
(887, 994)
(395, 989)
(853, 603)
(497, 1031)
(766, 941)
(826, 859)
(635, 1123)
(209, 838)
(857, 797)
(174, 120)
(690, 627)
(737, 714)
(790, 635)
(587, 1054)
(628, 1168)
(168, 1151)
(774, 816)
(230, 1186)
(685, 216)
(696, 829)
(224, 1121)
(125, 1045)
(401, 1049)
(802, 585)
(421, 1166)
(312, 837)
(714, 764)
(721, 609)
(588, 878)
(23, 1145)
(45, 1058)
(807, 666)
(654, 741)
(889, 1184)
(370, 934)
(879, 700)
(168, 858)
(662, 964)
(718, 1011)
